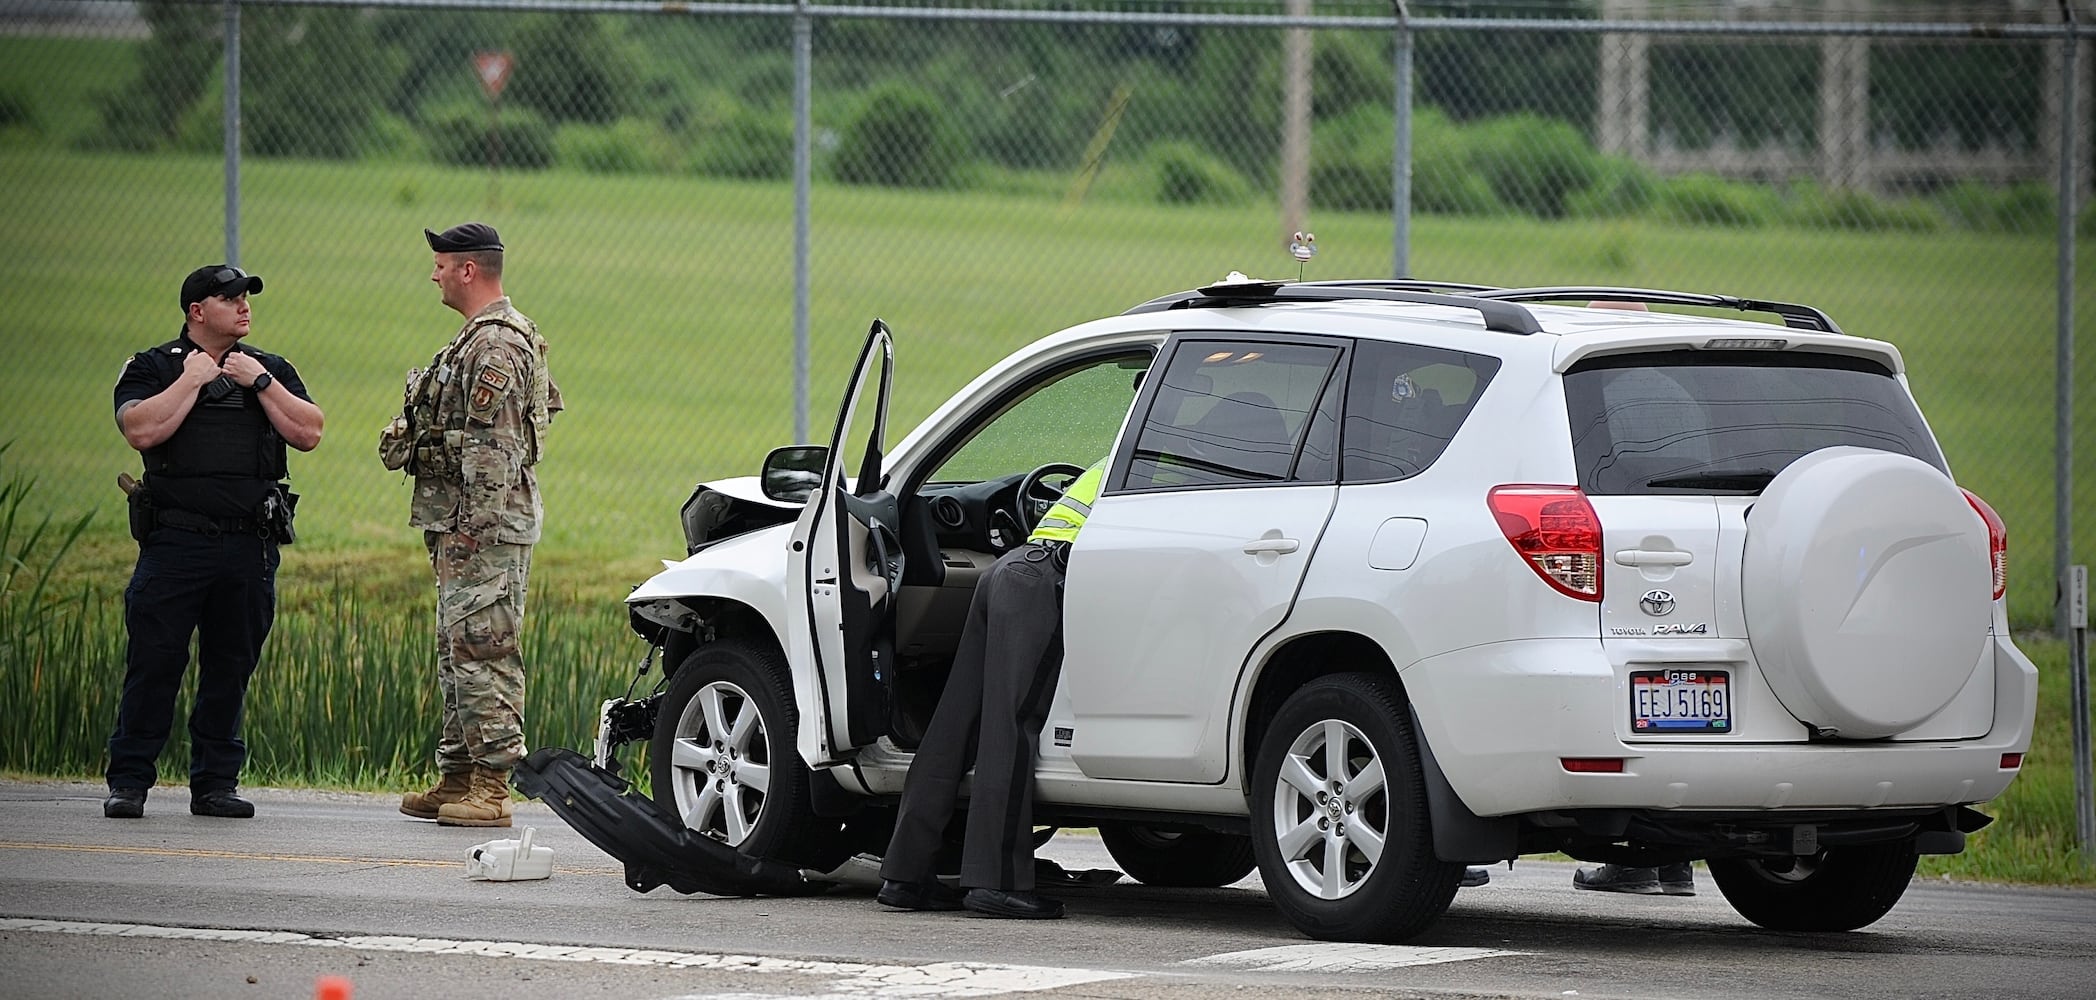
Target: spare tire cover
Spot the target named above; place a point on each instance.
(1868, 590)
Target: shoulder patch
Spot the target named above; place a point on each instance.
(491, 383)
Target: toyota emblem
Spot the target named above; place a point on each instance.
(1657, 603)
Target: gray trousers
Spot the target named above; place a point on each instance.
(990, 717)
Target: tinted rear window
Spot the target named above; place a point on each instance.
(1723, 422)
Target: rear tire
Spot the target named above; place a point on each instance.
(1339, 818)
(1185, 859)
(724, 763)
(1838, 889)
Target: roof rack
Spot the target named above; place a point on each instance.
(1797, 317)
(1502, 317)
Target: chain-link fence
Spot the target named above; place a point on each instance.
(706, 203)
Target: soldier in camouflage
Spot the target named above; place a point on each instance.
(470, 432)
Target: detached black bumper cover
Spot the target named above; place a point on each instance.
(655, 849)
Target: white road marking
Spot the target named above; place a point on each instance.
(851, 979)
(1343, 957)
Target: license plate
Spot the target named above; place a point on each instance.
(1681, 701)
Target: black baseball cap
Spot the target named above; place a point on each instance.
(217, 279)
(465, 237)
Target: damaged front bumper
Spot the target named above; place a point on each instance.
(655, 849)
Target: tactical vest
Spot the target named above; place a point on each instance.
(227, 440)
(438, 415)
(1061, 522)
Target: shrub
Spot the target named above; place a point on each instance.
(1443, 180)
(2019, 208)
(628, 146)
(1845, 208)
(1186, 175)
(748, 145)
(901, 137)
(459, 136)
(573, 67)
(15, 110)
(1352, 172)
(1532, 163)
(1621, 187)
(1703, 199)
(299, 96)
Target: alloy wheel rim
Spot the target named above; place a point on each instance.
(1331, 811)
(720, 763)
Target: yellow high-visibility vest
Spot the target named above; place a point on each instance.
(1063, 520)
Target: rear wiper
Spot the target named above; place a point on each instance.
(1716, 479)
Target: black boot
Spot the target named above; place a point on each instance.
(221, 803)
(1019, 905)
(125, 803)
(930, 894)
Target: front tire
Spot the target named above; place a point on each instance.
(1838, 889)
(1185, 859)
(1339, 820)
(723, 758)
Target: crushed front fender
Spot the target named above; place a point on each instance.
(655, 849)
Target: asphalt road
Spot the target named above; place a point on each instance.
(329, 884)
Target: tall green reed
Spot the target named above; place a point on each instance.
(345, 693)
(48, 640)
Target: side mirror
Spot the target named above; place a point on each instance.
(791, 473)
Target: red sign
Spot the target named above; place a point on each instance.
(493, 69)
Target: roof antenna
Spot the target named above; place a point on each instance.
(1302, 247)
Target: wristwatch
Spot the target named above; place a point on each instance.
(263, 381)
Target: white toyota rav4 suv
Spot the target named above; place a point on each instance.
(1386, 577)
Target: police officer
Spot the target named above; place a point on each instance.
(470, 433)
(990, 716)
(211, 416)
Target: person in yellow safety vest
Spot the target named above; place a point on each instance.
(990, 717)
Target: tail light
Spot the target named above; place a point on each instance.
(1997, 542)
(1555, 529)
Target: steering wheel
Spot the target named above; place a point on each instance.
(1041, 489)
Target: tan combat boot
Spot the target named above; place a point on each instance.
(452, 788)
(485, 804)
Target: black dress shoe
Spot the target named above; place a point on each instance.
(125, 803)
(222, 803)
(932, 895)
(1018, 905)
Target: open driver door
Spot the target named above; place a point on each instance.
(845, 559)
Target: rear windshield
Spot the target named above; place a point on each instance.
(1726, 422)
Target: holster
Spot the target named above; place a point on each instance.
(279, 510)
(140, 501)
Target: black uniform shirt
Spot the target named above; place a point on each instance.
(242, 452)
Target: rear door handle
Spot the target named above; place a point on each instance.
(1650, 557)
(1262, 546)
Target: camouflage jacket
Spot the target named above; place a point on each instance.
(491, 401)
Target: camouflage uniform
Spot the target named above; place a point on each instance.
(487, 399)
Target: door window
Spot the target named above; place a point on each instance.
(1072, 416)
(1403, 404)
(1234, 412)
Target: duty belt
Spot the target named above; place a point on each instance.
(213, 526)
(1051, 548)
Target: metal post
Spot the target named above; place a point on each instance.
(2077, 619)
(803, 158)
(1295, 124)
(2063, 352)
(1401, 152)
(231, 130)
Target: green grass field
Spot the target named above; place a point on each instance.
(668, 304)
